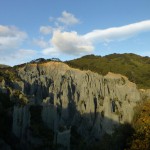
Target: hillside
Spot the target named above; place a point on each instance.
(3, 66)
(141, 125)
(48, 99)
(44, 99)
(135, 67)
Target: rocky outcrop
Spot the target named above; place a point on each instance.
(87, 100)
(90, 103)
(4, 146)
(21, 121)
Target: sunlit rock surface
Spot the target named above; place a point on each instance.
(91, 103)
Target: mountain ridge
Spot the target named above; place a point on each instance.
(135, 67)
(52, 104)
(67, 101)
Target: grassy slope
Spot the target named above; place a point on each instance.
(136, 68)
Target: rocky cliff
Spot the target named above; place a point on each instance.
(88, 103)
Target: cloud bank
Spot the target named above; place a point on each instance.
(11, 41)
(72, 43)
(11, 37)
(61, 41)
(19, 56)
(118, 33)
(41, 43)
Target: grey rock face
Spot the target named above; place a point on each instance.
(63, 138)
(94, 104)
(4, 146)
(21, 121)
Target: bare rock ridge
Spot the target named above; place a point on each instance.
(91, 103)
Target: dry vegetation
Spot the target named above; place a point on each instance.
(141, 125)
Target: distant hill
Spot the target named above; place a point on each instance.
(3, 66)
(135, 67)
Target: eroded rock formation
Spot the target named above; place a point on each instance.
(90, 103)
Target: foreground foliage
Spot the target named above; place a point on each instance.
(141, 124)
(8, 74)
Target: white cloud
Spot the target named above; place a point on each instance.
(118, 33)
(49, 30)
(63, 42)
(26, 52)
(46, 29)
(11, 37)
(71, 43)
(68, 18)
(18, 56)
(41, 42)
(50, 51)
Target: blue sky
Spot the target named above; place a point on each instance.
(68, 29)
